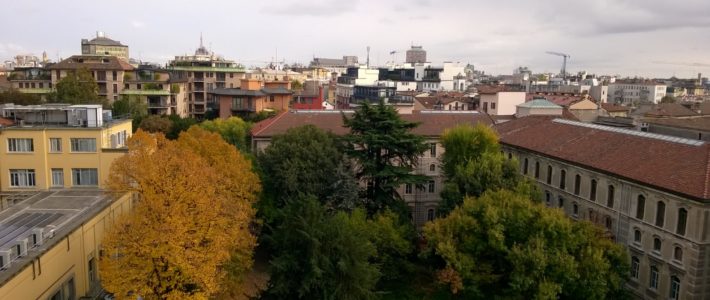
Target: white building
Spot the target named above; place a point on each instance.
(450, 71)
(634, 93)
(497, 100)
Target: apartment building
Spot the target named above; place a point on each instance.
(650, 192)
(353, 76)
(499, 100)
(422, 200)
(203, 72)
(102, 45)
(635, 92)
(108, 72)
(251, 97)
(152, 86)
(50, 243)
(31, 80)
(58, 146)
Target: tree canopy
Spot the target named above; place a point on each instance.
(385, 151)
(233, 130)
(504, 246)
(77, 87)
(16, 97)
(473, 163)
(193, 215)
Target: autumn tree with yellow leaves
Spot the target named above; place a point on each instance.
(191, 222)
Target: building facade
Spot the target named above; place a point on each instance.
(102, 45)
(153, 87)
(623, 181)
(59, 146)
(499, 100)
(108, 72)
(416, 54)
(636, 92)
(252, 96)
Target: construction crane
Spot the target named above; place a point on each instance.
(564, 62)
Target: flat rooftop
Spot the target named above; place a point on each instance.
(52, 215)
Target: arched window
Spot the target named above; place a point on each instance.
(640, 206)
(563, 179)
(430, 215)
(561, 202)
(635, 263)
(675, 288)
(537, 170)
(678, 253)
(593, 190)
(610, 196)
(432, 167)
(548, 197)
(637, 236)
(510, 155)
(525, 166)
(660, 213)
(657, 244)
(682, 219)
(653, 283)
(607, 222)
(577, 183)
(575, 209)
(549, 174)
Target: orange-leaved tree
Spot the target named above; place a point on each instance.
(191, 222)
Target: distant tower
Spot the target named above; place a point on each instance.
(416, 54)
(44, 57)
(368, 56)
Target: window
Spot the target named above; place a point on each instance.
(549, 174)
(575, 209)
(55, 145)
(272, 98)
(432, 186)
(85, 177)
(682, 218)
(610, 196)
(637, 236)
(607, 222)
(20, 145)
(408, 188)
(577, 183)
(660, 213)
(430, 215)
(57, 177)
(510, 155)
(640, 206)
(675, 288)
(432, 149)
(561, 202)
(114, 75)
(525, 166)
(22, 177)
(654, 278)
(83, 145)
(657, 244)
(593, 190)
(537, 170)
(678, 253)
(115, 88)
(92, 273)
(635, 267)
(432, 168)
(493, 105)
(548, 197)
(563, 179)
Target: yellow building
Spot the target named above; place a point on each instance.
(59, 146)
(51, 243)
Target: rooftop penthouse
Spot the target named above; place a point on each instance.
(57, 115)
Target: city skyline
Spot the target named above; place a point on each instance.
(628, 38)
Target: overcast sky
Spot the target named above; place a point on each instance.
(626, 37)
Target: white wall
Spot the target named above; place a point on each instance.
(505, 102)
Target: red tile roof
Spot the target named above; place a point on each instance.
(431, 123)
(6, 122)
(614, 108)
(670, 110)
(494, 89)
(561, 100)
(92, 62)
(679, 168)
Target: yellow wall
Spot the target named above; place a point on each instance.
(66, 259)
(42, 161)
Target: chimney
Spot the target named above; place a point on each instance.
(99, 34)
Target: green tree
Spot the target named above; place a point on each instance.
(504, 246)
(16, 97)
(321, 256)
(155, 124)
(233, 130)
(472, 163)
(306, 161)
(78, 87)
(668, 99)
(296, 85)
(385, 153)
(179, 124)
(131, 106)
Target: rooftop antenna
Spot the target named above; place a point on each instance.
(200, 39)
(368, 57)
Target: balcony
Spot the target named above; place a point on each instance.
(346, 80)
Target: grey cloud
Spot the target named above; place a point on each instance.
(313, 9)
